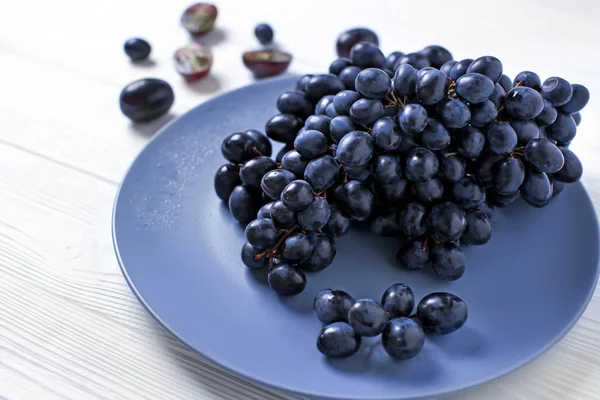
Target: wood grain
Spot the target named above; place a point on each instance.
(70, 328)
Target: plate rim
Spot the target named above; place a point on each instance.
(273, 386)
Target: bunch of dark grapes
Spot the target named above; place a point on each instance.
(402, 335)
(418, 145)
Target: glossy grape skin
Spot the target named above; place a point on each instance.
(483, 114)
(226, 179)
(344, 100)
(297, 248)
(340, 126)
(428, 192)
(447, 66)
(470, 142)
(432, 87)
(392, 193)
(297, 195)
(524, 103)
(322, 255)
(413, 255)
(361, 173)
(508, 175)
(262, 233)
(386, 134)
(248, 253)
(338, 225)
(292, 161)
(237, 148)
(355, 149)
(528, 79)
(264, 33)
(447, 261)
(254, 170)
(505, 83)
(261, 142)
(339, 64)
(413, 119)
(487, 209)
(578, 101)
(367, 55)
(441, 313)
(282, 152)
(282, 217)
(265, 211)
(386, 224)
(502, 200)
(544, 156)
(367, 317)
(479, 229)
(572, 170)
(409, 142)
(366, 111)
(283, 128)
(373, 83)
(446, 222)
(243, 204)
(497, 96)
(323, 85)
(391, 59)
(332, 306)
(398, 300)
(484, 169)
(295, 103)
(416, 60)
(347, 39)
(348, 77)
(358, 201)
(452, 167)
(557, 187)
(338, 340)
(273, 182)
(137, 49)
(287, 280)
(330, 111)
(315, 216)
(386, 168)
(403, 338)
(405, 80)
(413, 220)
(434, 137)
(563, 130)
(453, 113)
(547, 116)
(487, 65)
(460, 68)
(318, 123)
(577, 118)
(302, 82)
(323, 103)
(321, 173)
(421, 165)
(536, 188)
(311, 144)
(468, 192)
(501, 138)
(474, 88)
(437, 55)
(526, 130)
(557, 91)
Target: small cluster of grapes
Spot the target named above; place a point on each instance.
(418, 145)
(402, 334)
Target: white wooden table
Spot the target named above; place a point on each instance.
(69, 326)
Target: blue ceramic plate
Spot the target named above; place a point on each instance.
(180, 252)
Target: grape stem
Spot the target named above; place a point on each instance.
(271, 252)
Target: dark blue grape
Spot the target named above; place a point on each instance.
(398, 300)
(338, 225)
(479, 229)
(386, 134)
(297, 248)
(403, 338)
(454, 114)
(502, 200)
(339, 64)
(435, 136)
(323, 252)
(528, 79)
(262, 233)
(243, 204)
(468, 192)
(536, 188)
(416, 60)
(505, 83)
(347, 39)
(523, 103)
(323, 103)
(474, 88)
(447, 67)
(344, 100)
(452, 167)
(413, 255)
(315, 216)
(484, 169)
(487, 65)
(413, 220)
(409, 142)
(367, 317)
(446, 222)
(432, 87)
(386, 224)
(428, 192)
(500, 137)
(483, 114)
(348, 77)
(413, 119)
(508, 175)
(470, 142)
(526, 130)
(340, 126)
(321, 173)
(282, 217)
(355, 149)
(265, 211)
(338, 340)
(273, 182)
(323, 85)
(578, 101)
(441, 313)
(283, 151)
(264, 33)
(367, 55)
(437, 55)
(248, 253)
(311, 144)
(237, 148)
(421, 165)
(295, 103)
(557, 187)
(330, 111)
(386, 168)
(297, 195)
(497, 96)
(137, 49)
(261, 141)
(547, 116)
(373, 83)
(287, 280)
(361, 173)
(572, 170)
(557, 91)
(226, 179)
(366, 111)
(283, 128)
(358, 201)
(295, 163)
(332, 305)
(302, 82)
(563, 129)
(318, 123)
(460, 68)
(392, 193)
(404, 82)
(255, 169)
(390, 61)
(544, 156)
(577, 118)
(447, 261)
